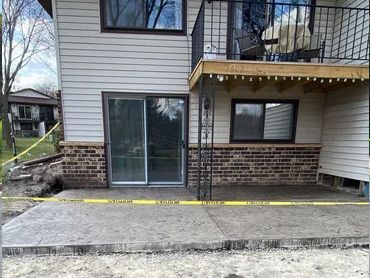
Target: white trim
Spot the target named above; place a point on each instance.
(56, 36)
(59, 72)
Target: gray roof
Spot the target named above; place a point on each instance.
(35, 97)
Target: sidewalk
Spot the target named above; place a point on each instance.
(75, 228)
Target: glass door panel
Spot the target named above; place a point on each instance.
(165, 122)
(127, 140)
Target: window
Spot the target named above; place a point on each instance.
(26, 126)
(144, 15)
(262, 120)
(24, 112)
(46, 113)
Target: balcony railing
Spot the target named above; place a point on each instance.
(260, 31)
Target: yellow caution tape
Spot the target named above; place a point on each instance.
(186, 203)
(34, 145)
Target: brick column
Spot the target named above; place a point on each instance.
(84, 165)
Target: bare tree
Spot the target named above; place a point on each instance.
(24, 35)
(47, 87)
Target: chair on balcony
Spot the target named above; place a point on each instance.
(250, 45)
(316, 49)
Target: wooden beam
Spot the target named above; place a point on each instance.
(195, 75)
(318, 87)
(313, 87)
(258, 85)
(289, 84)
(233, 84)
(280, 69)
(340, 85)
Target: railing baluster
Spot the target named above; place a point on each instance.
(362, 35)
(354, 35)
(345, 47)
(219, 28)
(326, 31)
(332, 36)
(340, 33)
(319, 33)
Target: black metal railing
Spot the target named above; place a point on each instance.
(250, 30)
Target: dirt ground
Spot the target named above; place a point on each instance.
(36, 181)
(231, 264)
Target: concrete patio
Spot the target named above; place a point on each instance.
(77, 228)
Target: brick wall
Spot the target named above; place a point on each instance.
(83, 165)
(260, 164)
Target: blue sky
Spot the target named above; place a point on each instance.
(36, 73)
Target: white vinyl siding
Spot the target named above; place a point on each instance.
(92, 61)
(309, 121)
(345, 151)
(351, 32)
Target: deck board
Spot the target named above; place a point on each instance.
(325, 75)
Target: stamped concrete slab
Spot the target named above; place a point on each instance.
(58, 224)
(77, 228)
(291, 222)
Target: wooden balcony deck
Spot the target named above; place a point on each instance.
(319, 78)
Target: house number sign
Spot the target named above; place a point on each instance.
(235, 68)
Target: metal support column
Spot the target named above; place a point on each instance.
(205, 137)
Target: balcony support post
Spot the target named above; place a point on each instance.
(206, 111)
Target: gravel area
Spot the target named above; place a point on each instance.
(231, 264)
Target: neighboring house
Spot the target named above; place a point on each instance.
(202, 93)
(34, 113)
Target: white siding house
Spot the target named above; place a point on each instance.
(32, 112)
(100, 69)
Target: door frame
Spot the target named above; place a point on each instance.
(108, 161)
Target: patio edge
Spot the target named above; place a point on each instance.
(235, 244)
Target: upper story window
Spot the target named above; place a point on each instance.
(24, 112)
(263, 121)
(143, 15)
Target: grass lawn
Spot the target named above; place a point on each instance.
(44, 148)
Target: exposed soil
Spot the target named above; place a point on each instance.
(231, 264)
(39, 180)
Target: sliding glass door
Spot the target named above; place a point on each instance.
(165, 118)
(127, 140)
(146, 140)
